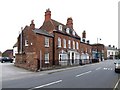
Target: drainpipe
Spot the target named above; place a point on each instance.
(40, 60)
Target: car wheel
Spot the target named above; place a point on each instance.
(115, 70)
(1, 61)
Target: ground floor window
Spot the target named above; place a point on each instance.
(46, 57)
(63, 57)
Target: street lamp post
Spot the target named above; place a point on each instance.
(97, 48)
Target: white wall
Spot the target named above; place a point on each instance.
(15, 50)
(111, 51)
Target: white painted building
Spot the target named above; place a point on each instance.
(15, 50)
(111, 52)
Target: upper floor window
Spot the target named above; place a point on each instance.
(46, 42)
(26, 42)
(116, 53)
(112, 53)
(67, 30)
(59, 42)
(86, 50)
(82, 50)
(73, 44)
(46, 57)
(60, 27)
(69, 44)
(77, 45)
(73, 33)
(64, 43)
(90, 50)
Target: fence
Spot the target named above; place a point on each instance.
(63, 63)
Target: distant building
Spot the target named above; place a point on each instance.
(15, 49)
(99, 52)
(8, 53)
(112, 51)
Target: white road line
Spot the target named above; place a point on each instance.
(98, 68)
(83, 73)
(116, 84)
(46, 85)
(105, 68)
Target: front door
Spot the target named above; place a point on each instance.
(72, 57)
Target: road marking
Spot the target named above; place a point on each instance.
(98, 68)
(83, 73)
(107, 68)
(116, 84)
(46, 85)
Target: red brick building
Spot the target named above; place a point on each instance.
(52, 44)
(8, 53)
(100, 49)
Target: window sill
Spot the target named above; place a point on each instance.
(46, 46)
(46, 62)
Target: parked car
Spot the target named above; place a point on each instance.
(117, 66)
(6, 59)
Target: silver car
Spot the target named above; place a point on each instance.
(117, 66)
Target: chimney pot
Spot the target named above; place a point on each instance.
(84, 34)
(32, 24)
(69, 22)
(47, 15)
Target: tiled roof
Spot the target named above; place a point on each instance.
(53, 25)
(97, 44)
(110, 48)
(47, 25)
(43, 32)
(15, 45)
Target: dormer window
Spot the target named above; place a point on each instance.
(73, 33)
(67, 30)
(60, 27)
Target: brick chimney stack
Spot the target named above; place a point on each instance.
(69, 22)
(84, 34)
(32, 25)
(47, 15)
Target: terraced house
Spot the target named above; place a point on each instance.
(50, 45)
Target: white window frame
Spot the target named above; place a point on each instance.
(86, 50)
(69, 44)
(73, 44)
(46, 42)
(64, 43)
(46, 57)
(60, 27)
(73, 33)
(26, 42)
(77, 45)
(59, 42)
(90, 50)
(68, 30)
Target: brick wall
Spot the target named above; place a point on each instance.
(27, 61)
(57, 50)
(86, 48)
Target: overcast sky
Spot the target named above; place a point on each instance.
(98, 17)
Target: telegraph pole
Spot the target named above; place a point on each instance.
(21, 40)
(97, 48)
